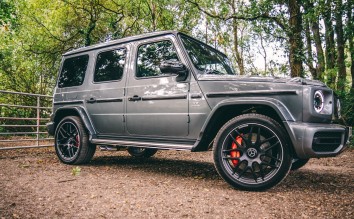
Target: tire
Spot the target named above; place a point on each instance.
(72, 144)
(141, 152)
(298, 163)
(251, 152)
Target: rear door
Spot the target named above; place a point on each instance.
(105, 96)
(157, 104)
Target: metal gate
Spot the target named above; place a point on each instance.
(22, 120)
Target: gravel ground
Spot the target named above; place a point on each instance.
(172, 184)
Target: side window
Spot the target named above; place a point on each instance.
(110, 65)
(73, 71)
(150, 56)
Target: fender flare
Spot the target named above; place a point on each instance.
(82, 114)
(275, 104)
(282, 111)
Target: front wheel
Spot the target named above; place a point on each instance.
(141, 152)
(251, 152)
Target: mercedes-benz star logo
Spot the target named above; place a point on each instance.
(252, 152)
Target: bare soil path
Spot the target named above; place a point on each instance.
(172, 184)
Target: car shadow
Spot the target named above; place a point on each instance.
(182, 168)
(301, 180)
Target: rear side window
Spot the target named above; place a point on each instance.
(110, 65)
(73, 71)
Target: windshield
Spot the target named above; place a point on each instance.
(206, 59)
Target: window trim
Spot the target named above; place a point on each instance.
(62, 66)
(150, 42)
(95, 63)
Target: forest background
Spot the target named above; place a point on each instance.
(293, 38)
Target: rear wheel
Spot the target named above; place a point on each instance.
(142, 152)
(298, 163)
(251, 152)
(71, 142)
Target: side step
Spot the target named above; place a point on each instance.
(163, 146)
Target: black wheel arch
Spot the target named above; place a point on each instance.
(225, 111)
(74, 111)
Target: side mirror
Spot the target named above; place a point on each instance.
(174, 67)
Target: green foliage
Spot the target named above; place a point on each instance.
(76, 171)
(30, 55)
(7, 14)
(347, 100)
(34, 33)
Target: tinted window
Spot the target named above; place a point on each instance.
(151, 55)
(110, 65)
(206, 59)
(73, 71)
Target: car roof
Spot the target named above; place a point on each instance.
(119, 41)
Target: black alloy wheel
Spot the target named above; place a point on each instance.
(251, 152)
(71, 142)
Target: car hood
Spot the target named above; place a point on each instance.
(295, 81)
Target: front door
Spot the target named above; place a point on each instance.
(157, 105)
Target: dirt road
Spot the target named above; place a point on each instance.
(34, 184)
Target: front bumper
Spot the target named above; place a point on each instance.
(50, 128)
(318, 140)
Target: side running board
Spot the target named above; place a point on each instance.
(164, 146)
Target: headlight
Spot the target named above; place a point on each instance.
(318, 101)
(339, 109)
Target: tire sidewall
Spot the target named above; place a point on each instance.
(74, 121)
(267, 122)
(145, 153)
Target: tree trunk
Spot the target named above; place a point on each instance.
(340, 46)
(350, 26)
(88, 32)
(330, 45)
(309, 50)
(239, 58)
(265, 54)
(295, 41)
(206, 31)
(319, 50)
(152, 9)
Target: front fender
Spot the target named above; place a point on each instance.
(212, 125)
(282, 111)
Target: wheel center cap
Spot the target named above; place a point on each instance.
(252, 152)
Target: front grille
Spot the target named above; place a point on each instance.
(326, 141)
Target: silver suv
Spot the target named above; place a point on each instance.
(166, 90)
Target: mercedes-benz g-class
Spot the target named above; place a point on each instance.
(166, 90)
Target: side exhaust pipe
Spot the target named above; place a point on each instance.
(112, 148)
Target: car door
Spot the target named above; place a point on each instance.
(105, 96)
(157, 103)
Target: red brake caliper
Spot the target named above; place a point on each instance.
(77, 141)
(235, 153)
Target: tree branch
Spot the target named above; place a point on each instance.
(277, 20)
